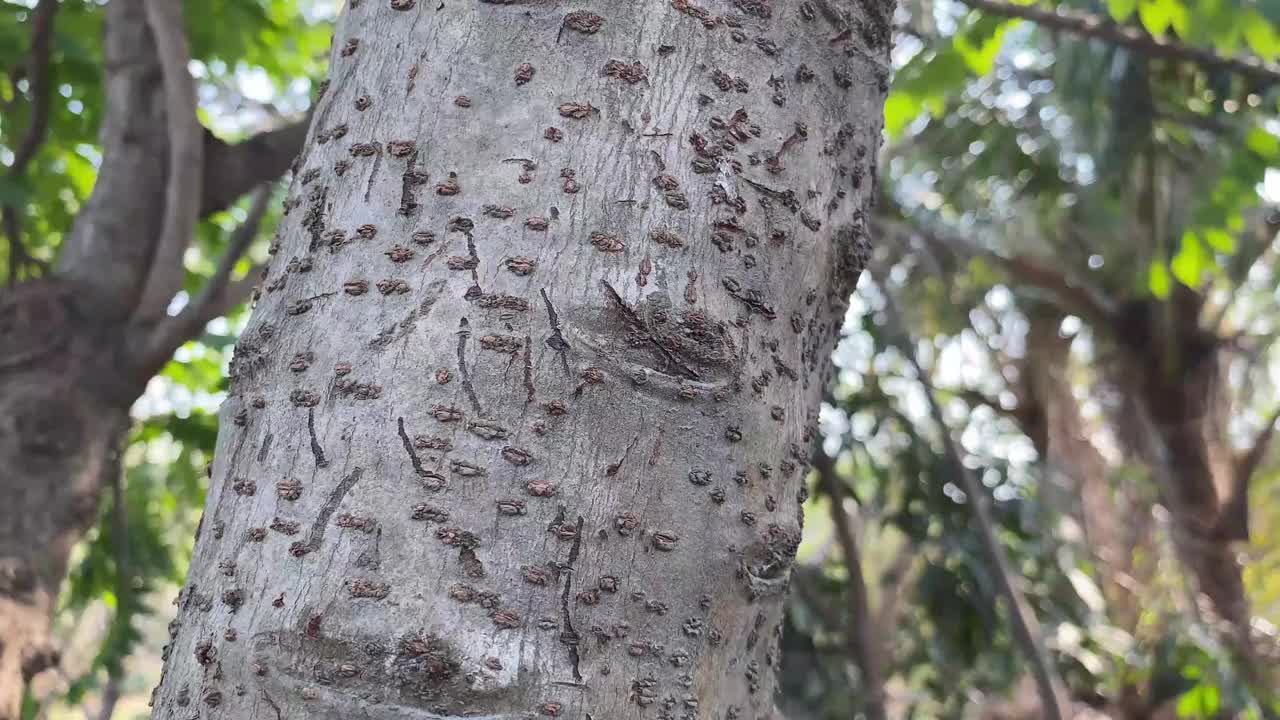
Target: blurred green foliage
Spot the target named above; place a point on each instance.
(1131, 171)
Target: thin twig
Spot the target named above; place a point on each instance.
(211, 302)
(1075, 296)
(124, 583)
(110, 696)
(1026, 629)
(220, 292)
(186, 159)
(1096, 27)
(38, 79)
(39, 82)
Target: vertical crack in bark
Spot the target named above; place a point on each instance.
(408, 448)
(615, 467)
(569, 636)
(331, 505)
(373, 174)
(273, 704)
(528, 369)
(475, 289)
(316, 450)
(313, 221)
(556, 341)
(266, 447)
(643, 329)
(408, 181)
(464, 333)
(656, 452)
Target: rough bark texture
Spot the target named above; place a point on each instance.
(520, 424)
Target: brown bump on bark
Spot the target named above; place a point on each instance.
(583, 21)
(631, 73)
(399, 254)
(540, 488)
(606, 242)
(576, 110)
(521, 265)
(449, 186)
(289, 489)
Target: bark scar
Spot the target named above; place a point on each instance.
(464, 333)
(373, 174)
(643, 328)
(408, 181)
(272, 703)
(656, 452)
(316, 450)
(330, 506)
(528, 369)
(266, 447)
(614, 468)
(408, 447)
(569, 636)
(556, 341)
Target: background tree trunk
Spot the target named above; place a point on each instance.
(521, 422)
(71, 359)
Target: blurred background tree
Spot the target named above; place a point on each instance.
(1070, 319)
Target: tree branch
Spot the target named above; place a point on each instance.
(1095, 27)
(1075, 297)
(1026, 629)
(219, 294)
(862, 637)
(39, 78)
(230, 171)
(1233, 514)
(186, 159)
(1252, 458)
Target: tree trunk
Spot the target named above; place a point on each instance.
(70, 360)
(520, 424)
(1077, 475)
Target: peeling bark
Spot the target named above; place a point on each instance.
(556, 491)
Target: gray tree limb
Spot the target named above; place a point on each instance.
(1096, 27)
(186, 151)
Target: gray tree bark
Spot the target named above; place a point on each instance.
(521, 421)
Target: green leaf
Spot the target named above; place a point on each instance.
(1261, 35)
(1159, 15)
(1158, 280)
(1201, 701)
(1219, 239)
(1262, 142)
(979, 44)
(1192, 260)
(899, 110)
(1120, 10)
